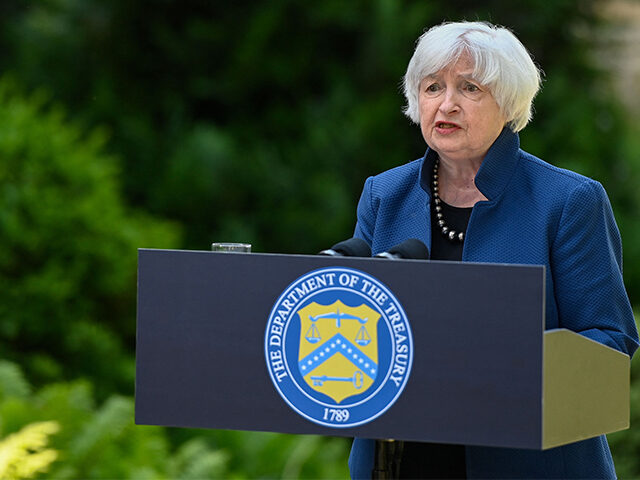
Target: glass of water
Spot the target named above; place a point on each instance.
(230, 247)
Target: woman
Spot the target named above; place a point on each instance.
(475, 196)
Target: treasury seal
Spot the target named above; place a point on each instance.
(338, 347)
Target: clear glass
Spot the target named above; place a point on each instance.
(230, 247)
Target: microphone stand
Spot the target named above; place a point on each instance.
(386, 462)
(388, 453)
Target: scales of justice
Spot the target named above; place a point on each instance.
(362, 338)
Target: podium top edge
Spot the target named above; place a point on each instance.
(566, 333)
(338, 258)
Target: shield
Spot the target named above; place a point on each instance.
(338, 354)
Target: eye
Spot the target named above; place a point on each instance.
(471, 88)
(432, 88)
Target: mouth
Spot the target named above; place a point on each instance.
(446, 125)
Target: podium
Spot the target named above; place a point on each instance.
(481, 369)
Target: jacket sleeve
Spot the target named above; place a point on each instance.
(366, 214)
(586, 263)
(361, 458)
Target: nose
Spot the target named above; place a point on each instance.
(450, 101)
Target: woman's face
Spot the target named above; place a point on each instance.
(459, 117)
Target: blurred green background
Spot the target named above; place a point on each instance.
(172, 124)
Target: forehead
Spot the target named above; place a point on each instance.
(462, 67)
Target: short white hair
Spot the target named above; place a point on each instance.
(500, 62)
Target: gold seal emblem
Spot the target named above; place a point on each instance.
(338, 352)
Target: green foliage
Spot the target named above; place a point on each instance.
(101, 441)
(625, 177)
(259, 122)
(196, 460)
(93, 441)
(68, 262)
(270, 455)
(12, 382)
(23, 454)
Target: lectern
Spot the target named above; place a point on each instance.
(413, 350)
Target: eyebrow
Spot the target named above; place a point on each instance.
(469, 76)
(466, 76)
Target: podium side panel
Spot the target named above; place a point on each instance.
(586, 388)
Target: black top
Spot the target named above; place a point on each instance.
(456, 218)
(437, 460)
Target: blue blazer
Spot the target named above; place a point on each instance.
(535, 214)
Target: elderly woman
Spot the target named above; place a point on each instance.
(475, 196)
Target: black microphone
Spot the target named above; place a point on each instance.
(412, 248)
(354, 247)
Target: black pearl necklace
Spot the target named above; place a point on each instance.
(449, 233)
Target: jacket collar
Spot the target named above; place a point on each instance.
(494, 173)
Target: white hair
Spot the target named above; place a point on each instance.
(500, 62)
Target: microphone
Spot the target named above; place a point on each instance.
(412, 248)
(354, 247)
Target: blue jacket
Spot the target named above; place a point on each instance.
(536, 214)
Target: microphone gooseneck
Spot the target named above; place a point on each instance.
(409, 249)
(353, 247)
